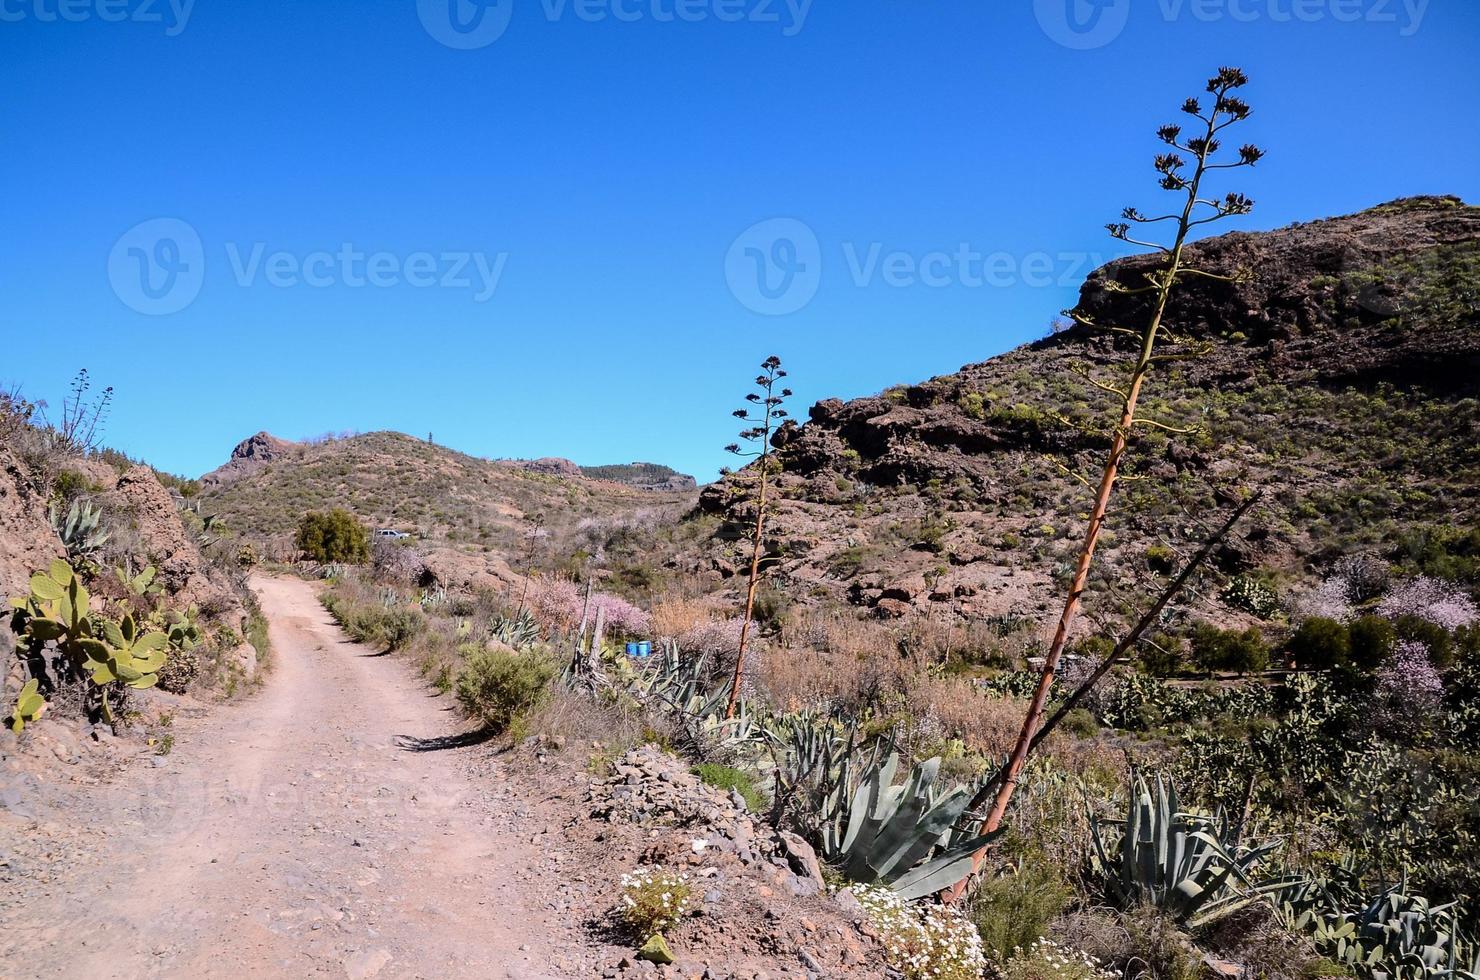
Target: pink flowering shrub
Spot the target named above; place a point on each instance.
(1409, 690)
(558, 602)
(1332, 599)
(1432, 600)
(620, 615)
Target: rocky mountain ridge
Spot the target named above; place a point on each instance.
(1340, 378)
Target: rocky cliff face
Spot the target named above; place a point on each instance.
(249, 456)
(1341, 379)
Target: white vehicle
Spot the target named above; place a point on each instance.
(390, 534)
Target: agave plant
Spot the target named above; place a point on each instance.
(905, 836)
(1393, 935)
(518, 632)
(78, 529)
(813, 761)
(1185, 863)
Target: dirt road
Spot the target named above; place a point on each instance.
(296, 834)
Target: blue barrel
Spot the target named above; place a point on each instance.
(644, 649)
(632, 649)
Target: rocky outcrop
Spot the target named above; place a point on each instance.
(1321, 301)
(549, 465)
(760, 891)
(153, 516)
(249, 456)
(470, 573)
(27, 542)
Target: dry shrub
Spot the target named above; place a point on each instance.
(988, 725)
(675, 615)
(800, 678)
(396, 562)
(833, 657)
(583, 723)
(1143, 943)
(1255, 939)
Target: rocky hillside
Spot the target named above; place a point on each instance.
(442, 497)
(145, 524)
(1341, 378)
(645, 476)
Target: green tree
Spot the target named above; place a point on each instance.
(335, 536)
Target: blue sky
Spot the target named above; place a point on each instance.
(617, 166)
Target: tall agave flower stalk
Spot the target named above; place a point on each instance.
(1196, 211)
(765, 418)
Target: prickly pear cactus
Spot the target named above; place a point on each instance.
(28, 707)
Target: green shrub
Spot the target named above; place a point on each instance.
(400, 626)
(1320, 644)
(496, 686)
(1081, 723)
(730, 778)
(1369, 641)
(1215, 649)
(1161, 656)
(1161, 559)
(333, 537)
(654, 899)
(1012, 911)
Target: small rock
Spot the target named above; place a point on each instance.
(656, 950)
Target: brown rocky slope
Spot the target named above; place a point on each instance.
(1341, 378)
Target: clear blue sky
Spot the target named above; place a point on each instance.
(606, 167)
